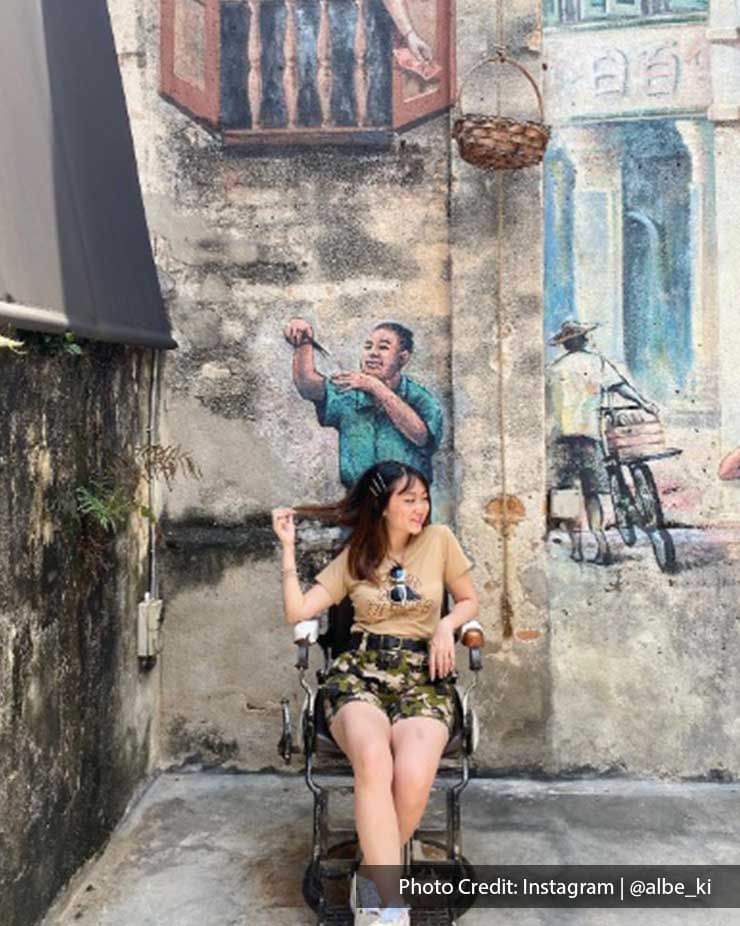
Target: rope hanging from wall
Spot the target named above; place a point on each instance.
(497, 143)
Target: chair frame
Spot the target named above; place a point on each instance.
(461, 748)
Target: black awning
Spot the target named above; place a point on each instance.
(74, 245)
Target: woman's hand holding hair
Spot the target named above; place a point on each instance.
(298, 607)
(283, 523)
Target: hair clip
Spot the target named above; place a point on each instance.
(377, 485)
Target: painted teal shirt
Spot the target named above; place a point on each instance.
(367, 435)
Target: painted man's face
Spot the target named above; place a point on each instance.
(382, 356)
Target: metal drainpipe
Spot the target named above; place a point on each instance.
(151, 432)
(150, 610)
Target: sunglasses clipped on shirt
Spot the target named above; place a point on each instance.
(400, 593)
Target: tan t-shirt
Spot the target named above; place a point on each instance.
(433, 560)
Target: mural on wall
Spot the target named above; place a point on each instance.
(620, 240)
(579, 387)
(628, 229)
(302, 72)
(729, 467)
(379, 412)
(572, 11)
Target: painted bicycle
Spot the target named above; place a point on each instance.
(632, 439)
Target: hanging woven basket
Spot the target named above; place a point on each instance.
(495, 142)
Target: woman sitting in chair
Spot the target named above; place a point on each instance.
(389, 700)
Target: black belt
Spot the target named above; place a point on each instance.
(386, 641)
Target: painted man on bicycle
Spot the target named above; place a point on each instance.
(576, 383)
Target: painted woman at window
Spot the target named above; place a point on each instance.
(389, 702)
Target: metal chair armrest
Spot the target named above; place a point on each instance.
(305, 634)
(472, 636)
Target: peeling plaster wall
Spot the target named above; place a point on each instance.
(77, 720)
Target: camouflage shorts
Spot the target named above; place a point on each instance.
(396, 681)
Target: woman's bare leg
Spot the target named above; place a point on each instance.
(418, 744)
(363, 733)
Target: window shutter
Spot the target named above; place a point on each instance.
(191, 56)
(420, 93)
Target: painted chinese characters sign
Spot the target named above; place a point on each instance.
(628, 72)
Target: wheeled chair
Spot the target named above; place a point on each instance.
(327, 769)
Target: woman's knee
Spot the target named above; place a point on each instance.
(372, 760)
(364, 736)
(412, 778)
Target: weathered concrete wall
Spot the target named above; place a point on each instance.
(496, 237)
(77, 719)
(344, 239)
(596, 668)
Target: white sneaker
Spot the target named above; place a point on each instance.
(364, 900)
(367, 916)
(390, 916)
(363, 893)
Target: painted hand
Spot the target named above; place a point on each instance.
(418, 47)
(298, 331)
(362, 381)
(442, 651)
(283, 523)
(729, 468)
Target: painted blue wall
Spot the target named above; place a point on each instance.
(656, 285)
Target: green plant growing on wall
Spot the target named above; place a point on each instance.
(110, 499)
(165, 462)
(52, 344)
(108, 504)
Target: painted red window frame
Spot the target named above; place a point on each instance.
(405, 112)
(202, 103)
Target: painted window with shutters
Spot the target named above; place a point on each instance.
(564, 12)
(267, 72)
(190, 56)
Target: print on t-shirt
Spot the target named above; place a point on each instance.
(415, 608)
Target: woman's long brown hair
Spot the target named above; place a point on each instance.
(362, 509)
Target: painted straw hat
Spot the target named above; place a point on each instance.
(571, 329)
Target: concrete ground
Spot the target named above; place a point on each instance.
(210, 849)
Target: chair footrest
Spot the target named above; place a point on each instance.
(431, 836)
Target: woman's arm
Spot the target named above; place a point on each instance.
(297, 606)
(466, 602)
(442, 644)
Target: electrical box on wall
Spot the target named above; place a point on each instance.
(149, 633)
